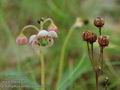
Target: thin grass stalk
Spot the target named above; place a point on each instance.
(62, 56)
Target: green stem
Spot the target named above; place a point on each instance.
(42, 71)
(70, 70)
(62, 55)
(100, 31)
(44, 21)
(92, 51)
(90, 57)
(29, 26)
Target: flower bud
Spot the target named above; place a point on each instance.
(21, 40)
(52, 27)
(103, 41)
(99, 22)
(89, 36)
(78, 23)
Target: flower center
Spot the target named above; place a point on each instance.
(43, 42)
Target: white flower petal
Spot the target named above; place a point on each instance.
(42, 33)
(32, 37)
(52, 34)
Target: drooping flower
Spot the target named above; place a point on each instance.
(52, 27)
(43, 38)
(39, 37)
(21, 40)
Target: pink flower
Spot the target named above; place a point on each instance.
(52, 27)
(44, 38)
(21, 40)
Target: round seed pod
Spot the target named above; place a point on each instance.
(99, 22)
(89, 36)
(103, 41)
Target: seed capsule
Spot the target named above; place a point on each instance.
(99, 22)
(103, 41)
(89, 36)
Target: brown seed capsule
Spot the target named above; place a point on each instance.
(103, 41)
(89, 36)
(99, 22)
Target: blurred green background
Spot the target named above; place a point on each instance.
(21, 60)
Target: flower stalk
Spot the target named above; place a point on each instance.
(103, 41)
(42, 70)
(43, 39)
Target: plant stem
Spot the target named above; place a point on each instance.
(106, 83)
(106, 87)
(100, 30)
(29, 26)
(92, 62)
(92, 51)
(97, 83)
(101, 56)
(90, 57)
(62, 55)
(42, 71)
(70, 70)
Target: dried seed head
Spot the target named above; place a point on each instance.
(89, 36)
(103, 41)
(21, 40)
(99, 22)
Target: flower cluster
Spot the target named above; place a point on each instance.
(103, 41)
(43, 38)
(89, 36)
